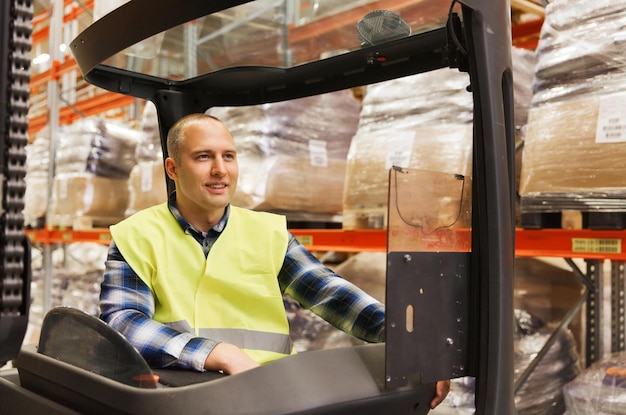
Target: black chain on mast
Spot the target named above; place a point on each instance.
(15, 48)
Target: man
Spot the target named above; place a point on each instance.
(200, 265)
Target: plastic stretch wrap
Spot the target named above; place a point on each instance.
(524, 62)
(73, 146)
(77, 273)
(86, 200)
(581, 49)
(429, 129)
(146, 186)
(37, 173)
(600, 389)
(149, 146)
(561, 154)
(570, 159)
(292, 154)
(542, 393)
(102, 147)
(113, 150)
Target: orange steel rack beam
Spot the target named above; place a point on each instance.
(91, 106)
(563, 243)
(66, 236)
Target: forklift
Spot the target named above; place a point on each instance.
(449, 304)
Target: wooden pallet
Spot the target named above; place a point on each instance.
(372, 218)
(583, 210)
(573, 219)
(83, 223)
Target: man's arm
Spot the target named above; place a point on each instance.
(331, 297)
(337, 301)
(127, 304)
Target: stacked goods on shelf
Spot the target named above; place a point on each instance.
(427, 129)
(292, 155)
(146, 185)
(92, 165)
(37, 183)
(600, 389)
(421, 122)
(112, 152)
(576, 133)
(524, 62)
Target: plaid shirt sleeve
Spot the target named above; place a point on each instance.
(127, 304)
(331, 297)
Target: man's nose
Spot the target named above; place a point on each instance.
(218, 168)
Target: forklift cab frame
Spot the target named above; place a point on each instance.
(474, 38)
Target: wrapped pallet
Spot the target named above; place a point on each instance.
(292, 154)
(600, 389)
(146, 186)
(429, 130)
(37, 181)
(73, 146)
(113, 150)
(149, 145)
(84, 200)
(576, 133)
(93, 161)
(542, 392)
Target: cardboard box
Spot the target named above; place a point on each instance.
(562, 156)
(147, 186)
(445, 149)
(84, 200)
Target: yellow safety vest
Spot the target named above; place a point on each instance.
(231, 296)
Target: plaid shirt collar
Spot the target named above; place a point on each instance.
(186, 226)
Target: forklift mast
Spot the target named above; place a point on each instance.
(15, 45)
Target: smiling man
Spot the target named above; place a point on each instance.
(197, 283)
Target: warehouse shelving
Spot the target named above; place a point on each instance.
(561, 243)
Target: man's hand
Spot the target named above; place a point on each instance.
(230, 359)
(441, 391)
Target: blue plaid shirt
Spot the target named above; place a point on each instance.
(127, 304)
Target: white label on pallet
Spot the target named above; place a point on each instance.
(318, 153)
(399, 148)
(612, 119)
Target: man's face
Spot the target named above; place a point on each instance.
(206, 177)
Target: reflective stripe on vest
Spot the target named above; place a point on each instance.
(235, 293)
(245, 339)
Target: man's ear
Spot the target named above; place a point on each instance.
(171, 168)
